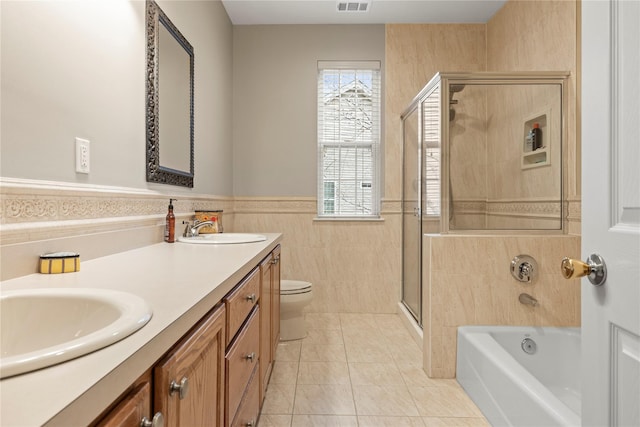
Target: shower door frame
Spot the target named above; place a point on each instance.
(498, 78)
(417, 212)
(416, 104)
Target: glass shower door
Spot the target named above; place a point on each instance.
(411, 223)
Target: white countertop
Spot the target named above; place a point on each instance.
(180, 281)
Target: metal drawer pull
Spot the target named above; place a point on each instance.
(251, 297)
(156, 421)
(251, 356)
(250, 423)
(182, 388)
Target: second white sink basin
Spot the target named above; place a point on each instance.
(223, 238)
(43, 327)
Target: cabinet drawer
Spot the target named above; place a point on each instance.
(240, 302)
(241, 359)
(250, 406)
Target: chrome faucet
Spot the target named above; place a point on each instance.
(528, 300)
(194, 230)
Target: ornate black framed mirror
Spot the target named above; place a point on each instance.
(169, 101)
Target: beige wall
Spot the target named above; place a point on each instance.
(275, 71)
(77, 69)
(541, 35)
(414, 54)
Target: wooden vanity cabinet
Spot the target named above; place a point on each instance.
(269, 316)
(189, 380)
(132, 410)
(216, 375)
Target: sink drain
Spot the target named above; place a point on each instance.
(529, 346)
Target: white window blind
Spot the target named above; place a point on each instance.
(431, 137)
(348, 139)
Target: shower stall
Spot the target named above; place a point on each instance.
(482, 153)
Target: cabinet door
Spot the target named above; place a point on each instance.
(275, 302)
(266, 296)
(189, 381)
(133, 408)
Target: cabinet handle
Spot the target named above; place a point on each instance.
(182, 388)
(156, 421)
(251, 297)
(250, 423)
(251, 356)
(275, 260)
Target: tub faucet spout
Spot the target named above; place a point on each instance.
(528, 300)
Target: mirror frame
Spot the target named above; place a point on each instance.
(155, 172)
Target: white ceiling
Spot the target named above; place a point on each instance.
(257, 12)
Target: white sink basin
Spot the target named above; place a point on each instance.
(43, 327)
(223, 238)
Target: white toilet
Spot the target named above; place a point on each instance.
(295, 295)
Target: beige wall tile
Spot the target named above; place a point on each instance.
(485, 293)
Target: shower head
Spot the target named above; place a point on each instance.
(453, 89)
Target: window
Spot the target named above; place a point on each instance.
(329, 197)
(348, 139)
(431, 137)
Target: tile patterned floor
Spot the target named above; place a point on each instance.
(360, 370)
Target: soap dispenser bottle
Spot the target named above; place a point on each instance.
(170, 224)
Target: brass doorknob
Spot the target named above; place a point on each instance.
(574, 269)
(595, 269)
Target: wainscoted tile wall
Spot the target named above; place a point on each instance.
(37, 217)
(467, 281)
(354, 265)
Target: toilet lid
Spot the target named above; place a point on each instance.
(288, 287)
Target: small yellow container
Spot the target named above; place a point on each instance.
(214, 216)
(59, 262)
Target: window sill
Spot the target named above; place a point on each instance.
(349, 218)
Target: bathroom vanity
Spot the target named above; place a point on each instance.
(205, 355)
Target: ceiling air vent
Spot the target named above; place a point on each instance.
(353, 6)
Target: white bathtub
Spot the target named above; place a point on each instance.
(514, 388)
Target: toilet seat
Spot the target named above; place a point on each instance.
(294, 287)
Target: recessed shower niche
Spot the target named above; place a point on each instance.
(470, 165)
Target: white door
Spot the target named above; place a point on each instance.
(611, 211)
